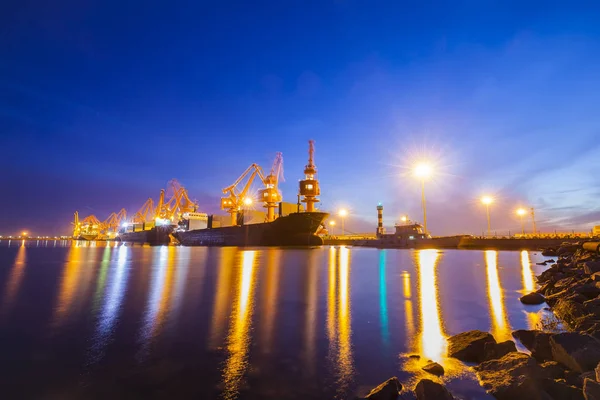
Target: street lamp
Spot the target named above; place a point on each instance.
(332, 225)
(487, 200)
(24, 233)
(521, 213)
(343, 213)
(423, 171)
(404, 218)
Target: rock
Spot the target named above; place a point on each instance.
(552, 370)
(560, 389)
(541, 263)
(591, 267)
(388, 390)
(526, 337)
(589, 290)
(549, 252)
(596, 276)
(567, 249)
(550, 260)
(515, 376)
(429, 390)
(586, 375)
(469, 346)
(532, 299)
(434, 368)
(576, 351)
(546, 288)
(569, 311)
(591, 390)
(597, 372)
(493, 351)
(415, 356)
(537, 342)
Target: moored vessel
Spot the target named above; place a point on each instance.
(294, 229)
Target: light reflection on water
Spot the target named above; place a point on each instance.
(432, 339)
(500, 326)
(239, 332)
(14, 281)
(241, 312)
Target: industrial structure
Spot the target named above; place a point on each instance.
(309, 186)
(149, 215)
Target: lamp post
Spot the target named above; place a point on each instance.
(423, 171)
(487, 200)
(343, 213)
(521, 213)
(332, 225)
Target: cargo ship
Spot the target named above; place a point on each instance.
(154, 235)
(294, 229)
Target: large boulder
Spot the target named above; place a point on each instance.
(434, 368)
(590, 267)
(570, 311)
(532, 299)
(526, 337)
(549, 252)
(516, 376)
(493, 351)
(537, 342)
(591, 390)
(589, 290)
(552, 370)
(429, 390)
(388, 390)
(576, 351)
(560, 389)
(469, 346)
(567, 249)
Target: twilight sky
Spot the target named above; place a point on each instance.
(102, 102)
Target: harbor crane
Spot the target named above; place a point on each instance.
(145, 213)
(271, 194)
(235, 200)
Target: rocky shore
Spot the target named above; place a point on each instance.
(562, 365)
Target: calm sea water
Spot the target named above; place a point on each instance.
(104, 320)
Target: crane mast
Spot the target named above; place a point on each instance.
(271, 195)
(309, 186)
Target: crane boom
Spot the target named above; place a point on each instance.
(234, 201)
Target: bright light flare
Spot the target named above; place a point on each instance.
(343, 212)
(24, 233)
(248, 201)
(404, 218)
(487, 200)
(521, 212)
(423, 170)
(332, 223)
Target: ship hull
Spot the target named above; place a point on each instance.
(296, 229)
(87, 237)
(155, 236)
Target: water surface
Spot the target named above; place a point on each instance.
(104, 320)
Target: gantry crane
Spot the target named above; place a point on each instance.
(234, 201)
(145, 213)
(111, 225)
(178, 204)
(271, 194)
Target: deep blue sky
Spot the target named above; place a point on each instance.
(101, 103)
